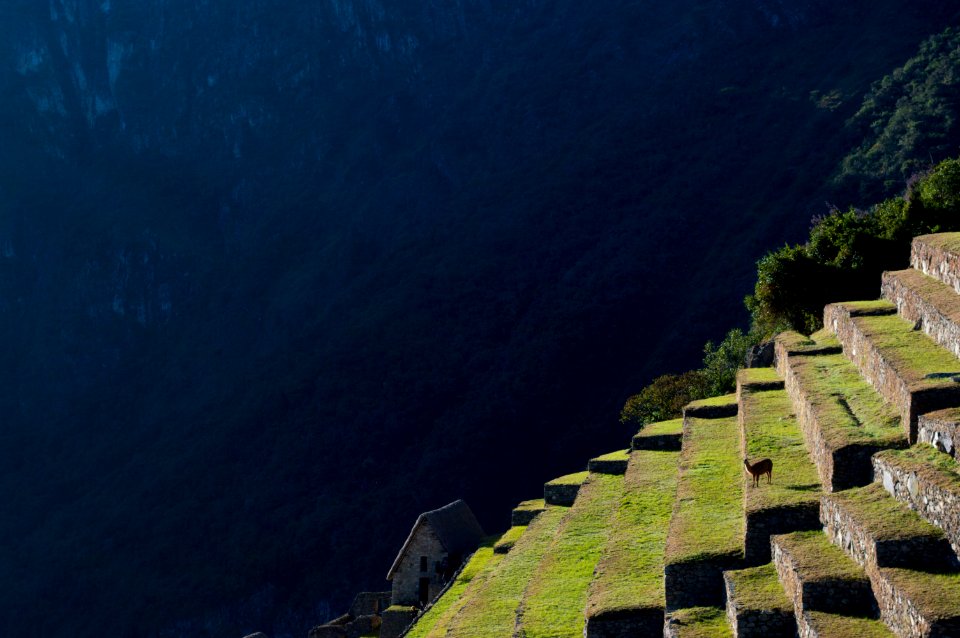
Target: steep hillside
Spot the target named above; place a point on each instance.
(275, 277)
(853, 533)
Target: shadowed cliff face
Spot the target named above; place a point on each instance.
(276, 277)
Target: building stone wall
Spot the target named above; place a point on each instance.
(406, 578)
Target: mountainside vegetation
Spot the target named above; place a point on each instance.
(275, 278)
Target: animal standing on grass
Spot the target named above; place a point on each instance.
(758, 469)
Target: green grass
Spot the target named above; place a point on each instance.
(492, 608)
(824, 338)
(881, 307)
(707, 518)
(930, 464)
(771, 431)
(403, 608)
(884, 517)
(531, 505)
(848, 409)
(758, 588)
(630, 572)
(946, 241)
(934, 291)
(836, 626)
(914, 355)
(570, 479)
(796, 343)
(818, 559)
(553, 602)
(726, 399)
(619, 455)
(701, 622)
(753, 376)
(434, 620)
(674, 426)
(509, 539)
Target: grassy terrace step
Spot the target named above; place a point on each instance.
(926, 302)
(626, 596)
(706, 527)
(698, 622)
(769, 430)
(938, 256)
(509, 539)
(613, 463)
(926, 480)
(757, 606)
(526, 511)
(790, 343)
(434, 621)
(878, 531)
(492, 606)
(563, 490)
(842, 418)
(712, 408)
(903, 365)
(665, 435)
(818, 576)
(818, 624)
(553, 603)
(758, 379)
(941, 429)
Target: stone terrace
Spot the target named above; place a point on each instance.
(904, 366)
(791, 501)
(843, 420)
(706, 528)
(938, 256)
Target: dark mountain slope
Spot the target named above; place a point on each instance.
(276, 278)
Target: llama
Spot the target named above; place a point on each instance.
(758, 469)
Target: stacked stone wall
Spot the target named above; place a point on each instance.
(936, 262)
(920, 552)
(934, 503)
(370, 603)
(396, 621)
(912, 307)
(838, 469)
(831, 596)
(758, 623)
(625, 623)
(874, 368)
(761, 525)
(658, 442)
(941, 430)
(560, 493)
(697, 583)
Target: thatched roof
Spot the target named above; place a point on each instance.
(454, 524)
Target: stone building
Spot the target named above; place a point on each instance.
(432, 553)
